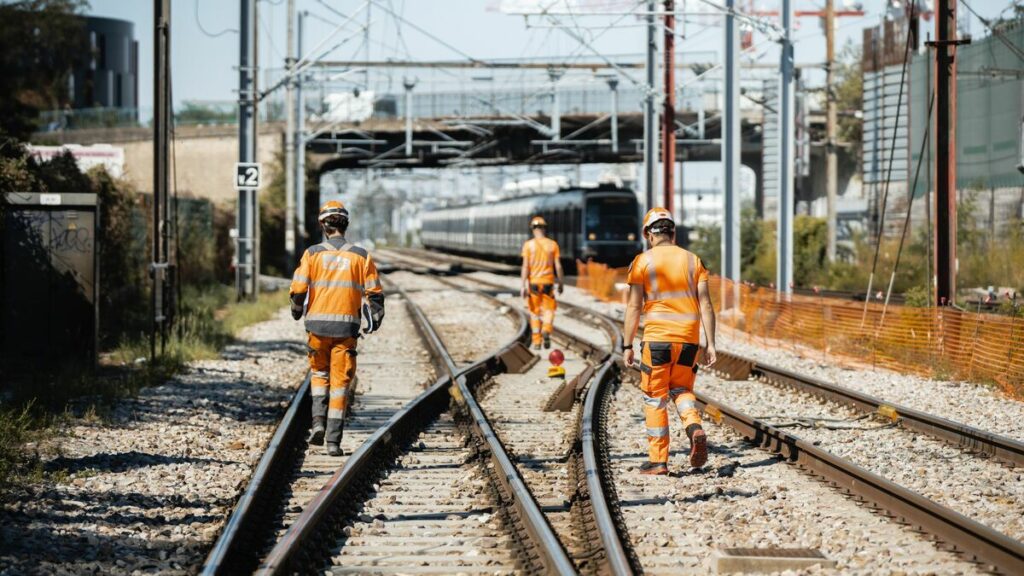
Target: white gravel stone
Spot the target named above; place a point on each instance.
(976, 486)
(149, 488)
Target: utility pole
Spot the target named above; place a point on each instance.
(289, 144)
(409, 84)
(668, 119)
(784, 236)
(831, 161)
(300, 136)
(613, 85)
(245, 272)
(161, 160)
(945, 152)
(731, 150)
(650, 116)
(554, 75)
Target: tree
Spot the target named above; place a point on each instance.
(40, 42)
(849, 90)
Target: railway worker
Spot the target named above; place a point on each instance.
(330, 284)
(542, 266)
(670, 284)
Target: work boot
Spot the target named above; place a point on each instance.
(698, 445)
(547, 341)
(536, 345)
(654, 469)
(334, 450)
(316, 435)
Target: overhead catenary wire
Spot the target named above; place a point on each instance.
(888, 176)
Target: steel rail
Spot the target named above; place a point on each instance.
(229, 554)
(956, 433)
(969, 537)
(554, 557)
(613, 555)
(304, 538)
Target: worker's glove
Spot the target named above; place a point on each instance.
(296, 310)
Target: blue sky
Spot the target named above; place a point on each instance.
(203, 66)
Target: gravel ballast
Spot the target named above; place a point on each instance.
(978, 487)
(149, 488)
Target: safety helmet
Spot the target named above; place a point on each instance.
(332, 208)
(655, 215)
(538, 222)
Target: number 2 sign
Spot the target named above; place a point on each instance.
(248, 175)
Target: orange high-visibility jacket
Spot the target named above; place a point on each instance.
(540, 255)
(669, 276)
(336, 276)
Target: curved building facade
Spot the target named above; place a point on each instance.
(110, 78)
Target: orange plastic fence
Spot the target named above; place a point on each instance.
(940, 342)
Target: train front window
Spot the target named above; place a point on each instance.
(611, 219)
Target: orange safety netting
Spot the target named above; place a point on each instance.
(941, 342)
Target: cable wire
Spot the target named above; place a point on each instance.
(888, 176)
(995, 31)
(910, 205)
(199, 24)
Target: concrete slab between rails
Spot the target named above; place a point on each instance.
(757, 560)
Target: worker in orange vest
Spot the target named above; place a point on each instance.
(330, 285)
(542, 265)
(670, 284)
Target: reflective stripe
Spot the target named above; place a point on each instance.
(670, 294)
(657, 432)
(685, 404)
(320, 374)
(300, 278)
(336, 413)
(672, 316)
(674, 392)
(318, 391)
(645, 368)
(372, 283)
(338, 392)
(658, 403)
(337, 284)
(333, 318)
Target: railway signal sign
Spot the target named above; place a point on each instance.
(248, 175)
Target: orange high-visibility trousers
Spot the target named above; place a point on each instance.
(542, 305)
(332, 362)
(668, 371)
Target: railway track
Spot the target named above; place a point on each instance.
(991, 548)
(559, 449)
(430, 491)
(291, 472)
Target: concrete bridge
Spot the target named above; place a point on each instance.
(206, 155)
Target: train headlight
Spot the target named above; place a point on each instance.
(592, 236)
(631, 236)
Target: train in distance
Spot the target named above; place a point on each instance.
(599, 223)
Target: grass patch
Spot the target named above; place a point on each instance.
(33, 406)
(16, 428)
